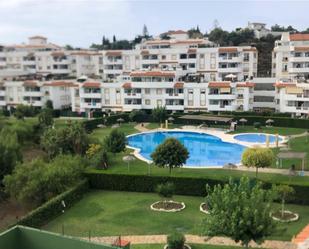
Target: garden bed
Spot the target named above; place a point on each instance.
(288, 216)
(204, 208)
(167, 206)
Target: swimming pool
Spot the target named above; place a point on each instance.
(205, 150)
(256, 138)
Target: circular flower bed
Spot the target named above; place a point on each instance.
(167, 206)
(186, 246)
(204, 208)
(288, 216)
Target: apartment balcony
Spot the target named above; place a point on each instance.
(2, 103)
(60, 71)
(113, 62)
(299, 70)
(222, 108)
(2, 63)
(90, 95)
(61, 62)
(222, 96)
(133, 95)
(174, 96)
(295, 97)
(29, 63)
(2, 93)
(296, 109)
(264, 105)
(127, 107)
(91, 105)
(175, 107)
(32, 94)
(37, 103)
(112, 71)
(150, 62)
(230, 59)
(230, 70)
(299, 59)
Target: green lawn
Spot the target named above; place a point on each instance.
(157, 125)
(128, 213)
(126, 128)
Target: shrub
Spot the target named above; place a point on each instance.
(176, 240)
(258, 157)
(257, 125)
(137, 116)
(166, 190)
(159, 114)
(116, 141)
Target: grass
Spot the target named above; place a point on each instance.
(108, 213)
(152, 126)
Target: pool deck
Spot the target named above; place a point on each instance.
(220, 133)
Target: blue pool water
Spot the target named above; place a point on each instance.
(204, 149)
(256, 138)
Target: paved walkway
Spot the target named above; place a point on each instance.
(141, 127)
(302, 239)
(193, 239)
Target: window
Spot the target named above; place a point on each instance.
(202, 56)
(174, 57)
(163, 57)
(159, 91)
(147, 90)
(183, 56)
(147, 101)
(213, 55)
(159, 102)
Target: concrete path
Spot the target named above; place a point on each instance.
(141, 127)
(193, 239)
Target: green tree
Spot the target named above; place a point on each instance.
(137, 115)
(49, 104)
(258, 158)
(46, 117)
(171, 153)
(283, 192)
(37, 181)
(97, 156)
(71, 139)
(239, 210)
(10, 153)
(159, 114)
(116, 141)
(218, 36)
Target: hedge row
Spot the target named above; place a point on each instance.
(52, 208)
(183, 185)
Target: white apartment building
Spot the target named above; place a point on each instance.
(291, 69)
(35, 93)
(260, 30)
(40, 59)
(149, 89)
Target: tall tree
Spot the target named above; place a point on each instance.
(239, 210)
(114, 39)
(171, 153)
(159, 114)
(116, 141)
(10, 153)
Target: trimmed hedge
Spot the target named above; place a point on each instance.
(183, 185)
(52, 208)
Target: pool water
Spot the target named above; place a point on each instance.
(205, 150)
(256, 138)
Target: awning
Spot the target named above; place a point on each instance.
(178, 85)
(127, 85)
(294, 90)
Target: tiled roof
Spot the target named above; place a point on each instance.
(176, 32)
(228, 50)
(37, 37)
(300, 49)
(281, 84)
(152, 73)
(60, 84)
(92, 84)
(299, 37)
(218, 84)
(245, 84)
(30, 83)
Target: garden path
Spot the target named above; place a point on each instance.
(142, 127)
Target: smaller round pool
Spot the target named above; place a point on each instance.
(256, 138)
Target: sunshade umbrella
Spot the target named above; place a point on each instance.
(128, 159)
(243, 121)
(231, 76)
(120, 120)
(171, 119)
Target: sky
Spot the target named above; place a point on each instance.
(83, 22)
